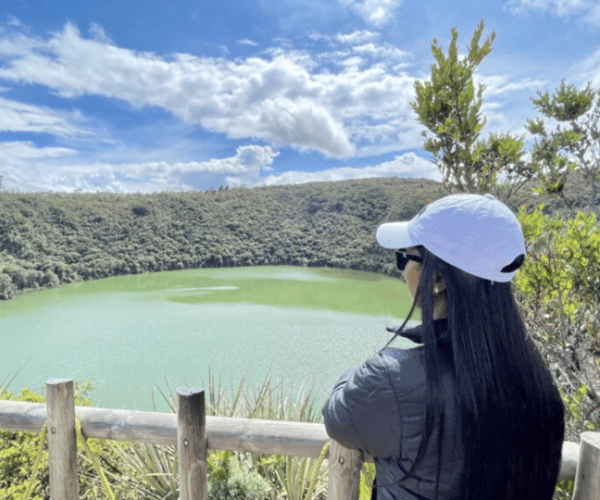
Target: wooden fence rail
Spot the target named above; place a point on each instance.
(193, 434)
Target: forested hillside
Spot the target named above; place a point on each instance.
(50, 239)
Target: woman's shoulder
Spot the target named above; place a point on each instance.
(396, 356)
(397, 369)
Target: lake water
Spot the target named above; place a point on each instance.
(135, 336)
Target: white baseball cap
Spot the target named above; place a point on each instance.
(477, 234)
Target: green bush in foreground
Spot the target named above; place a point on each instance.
(19, 451)
(559, 288)
(232, 479)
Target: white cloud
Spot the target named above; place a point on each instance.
(587, 70)
(384, 53)
(375, 12)
(59, 169)
(560, 7)
(14, 44)
(14, 21)
(248, 42)
(357, 37)
(24, 164)
(588, 10)
(100, 179)
(243, 168)
(97, 32)
(291, 98)
(496, 85)
(19, 150)
(406, 165)
(20, 117)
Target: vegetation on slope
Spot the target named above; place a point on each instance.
(50, 239)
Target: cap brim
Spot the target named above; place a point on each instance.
(394, 235)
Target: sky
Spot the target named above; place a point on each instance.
(174, 95)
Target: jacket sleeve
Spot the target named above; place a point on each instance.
(362, 412)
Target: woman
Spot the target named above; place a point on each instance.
(472, 413)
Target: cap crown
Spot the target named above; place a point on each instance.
(477, 234)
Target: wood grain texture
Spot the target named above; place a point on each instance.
(191, 444)
(344, 473)
(62, 439)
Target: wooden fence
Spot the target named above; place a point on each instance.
(193, 433)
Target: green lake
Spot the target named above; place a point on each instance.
(137, 336)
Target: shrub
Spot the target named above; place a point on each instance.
(232, 479)
(19, 450)
(140, 211)
(559, 288)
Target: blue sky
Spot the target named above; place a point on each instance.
(158, 95)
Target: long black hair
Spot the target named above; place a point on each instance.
(511, 414)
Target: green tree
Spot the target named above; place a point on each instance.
(449, 106)
(559, 289)
(573, 143)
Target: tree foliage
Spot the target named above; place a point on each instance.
(559, 289)
(573, 142)
(449, 106)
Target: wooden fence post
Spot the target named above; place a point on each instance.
(587, 477)
(191, 443)
(62, 439)
(344, 472)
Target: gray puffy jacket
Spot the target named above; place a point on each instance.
(379, 409)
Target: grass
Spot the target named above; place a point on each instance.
(152, 469)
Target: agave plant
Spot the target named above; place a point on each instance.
(150, 469)
(270, 400)
(302, 478)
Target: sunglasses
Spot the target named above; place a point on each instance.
(402, 258)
